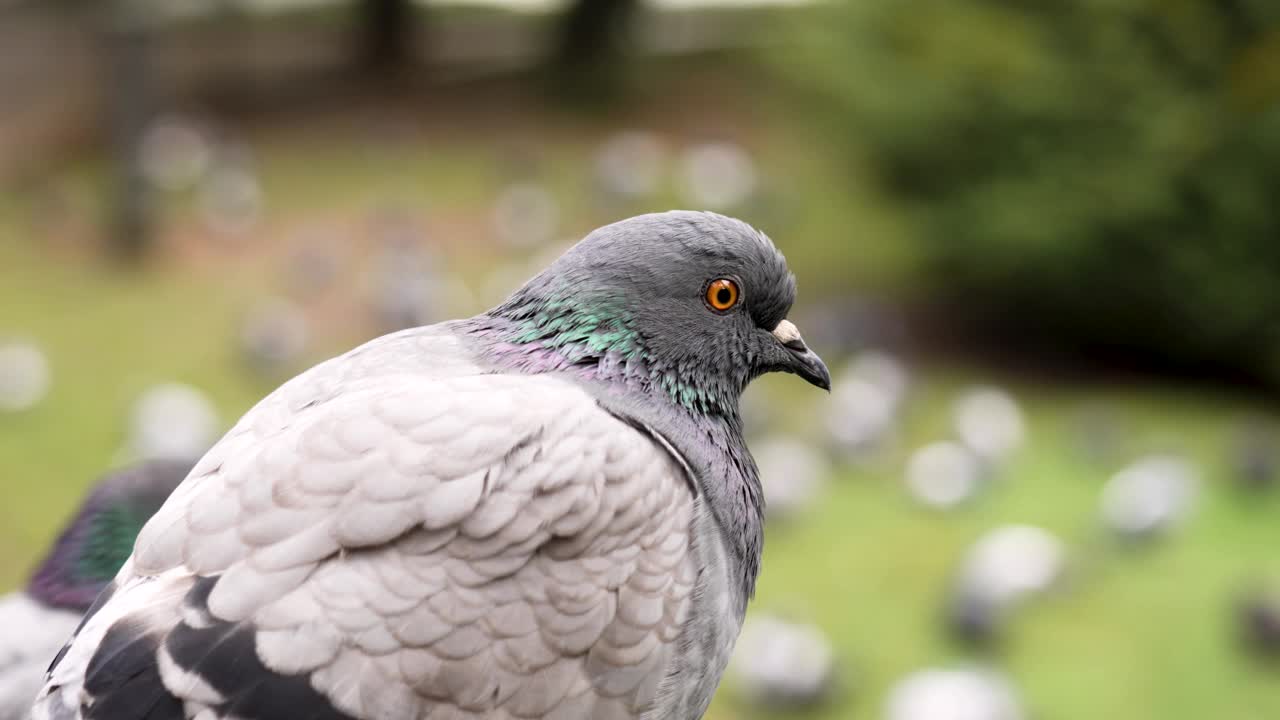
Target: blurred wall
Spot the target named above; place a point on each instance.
(50, 90)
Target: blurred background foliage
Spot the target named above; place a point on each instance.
(1072, 205)
(1099, 174)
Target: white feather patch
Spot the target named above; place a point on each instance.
(184, 684)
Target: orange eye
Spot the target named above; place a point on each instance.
(722, 294)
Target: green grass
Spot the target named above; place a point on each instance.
(1134, 633)
(107, 337)
(1139, 635)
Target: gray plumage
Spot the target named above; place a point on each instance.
(544, 511)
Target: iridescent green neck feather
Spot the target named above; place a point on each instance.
(580, 331)
(598, 339)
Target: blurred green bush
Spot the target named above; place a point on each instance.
(1105, 172)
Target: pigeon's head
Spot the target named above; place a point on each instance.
(692, 304)
(97, 541)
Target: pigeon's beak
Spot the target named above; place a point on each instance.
(804, 362)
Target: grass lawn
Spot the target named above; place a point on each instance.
(1136, 634)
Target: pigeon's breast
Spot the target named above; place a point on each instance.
(709, 630)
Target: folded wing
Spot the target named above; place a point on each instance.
(400, 545)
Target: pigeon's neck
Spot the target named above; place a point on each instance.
(87, 554)
(598, 343)
(713, 448)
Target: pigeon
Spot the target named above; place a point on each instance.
(1254, 457)
(1005, 568)
(865, 402)
(630, 164)
(406, 279)
(525, 215)
(944, 475)
(230, 195)
(173, 420)
(988, 420)
(85, 557)
(543, 511)
(175, 154)
(718, 174)
(783, 665)
(1258, 620)
(965, 693)
(792, 474)
(24, 375)
(273, 336)
(1149, 497)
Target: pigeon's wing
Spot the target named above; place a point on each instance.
(406, 547)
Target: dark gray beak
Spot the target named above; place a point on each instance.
(804, 362)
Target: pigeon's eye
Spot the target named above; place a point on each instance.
(722, 294)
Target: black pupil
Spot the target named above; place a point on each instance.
(723, 296)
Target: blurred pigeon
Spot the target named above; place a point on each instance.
(230, 196)
(1149, 496)
(173, 420)
(718, 175)
(24, 375)
(525, 215)
(404, 279)
(792, 474)
(882, 370)
(859, 416)
(1005, 567)
(782, 664)
(1258, 616)
(1255, 456)
(86, 556)
(1013, 562)
(629, 164)
(957, 694)
(865, 401)
(944, 474)
(972, 620)
(546, 510)
(313, 264)
(175, 154)
(273, 335)
(988, 420)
